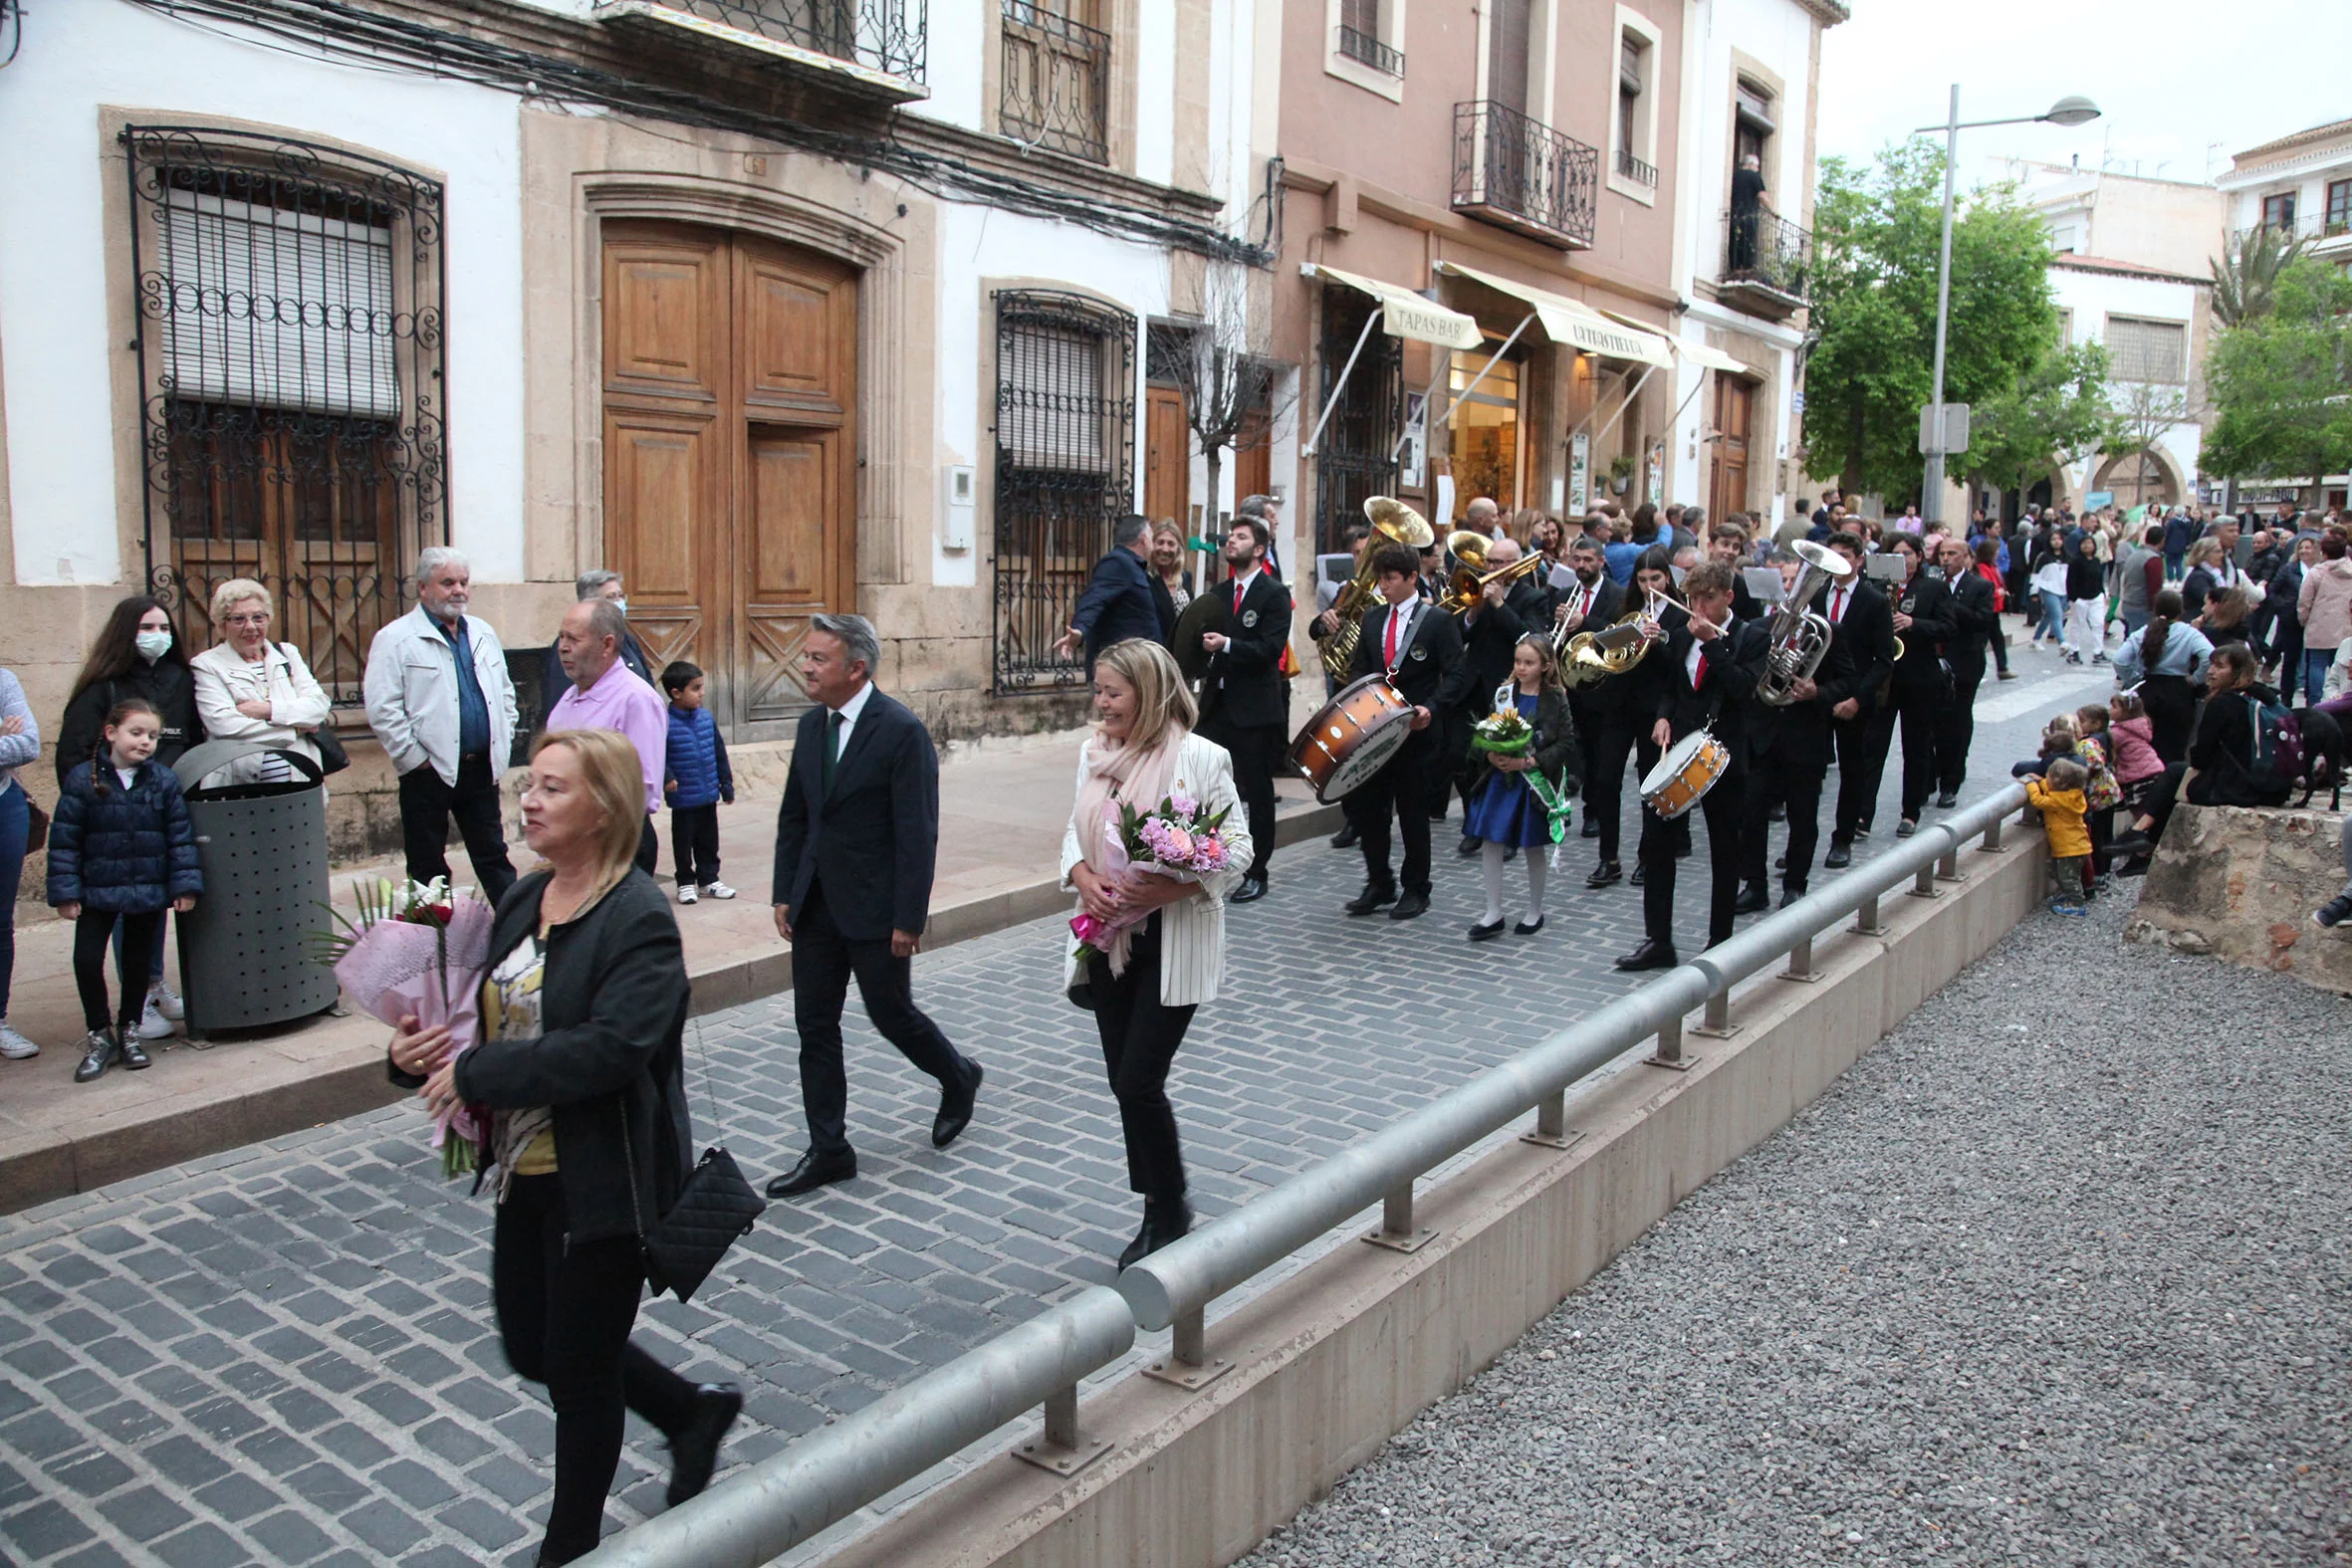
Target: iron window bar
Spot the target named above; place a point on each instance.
(889, 36)
(1765, 249)
(1521, 173)
(1364, 48)
(1634, 170)
(1056, 82)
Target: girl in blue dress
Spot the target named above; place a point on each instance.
(1504, 812)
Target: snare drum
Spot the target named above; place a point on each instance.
(1688, 771)
(1356, 730)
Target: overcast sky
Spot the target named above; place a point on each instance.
(2182, 89)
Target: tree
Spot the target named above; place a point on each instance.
(2137, 420)
(2248, 274)
(1233, 394)
(1878, 228)
(2052, 414)
(2282, 383)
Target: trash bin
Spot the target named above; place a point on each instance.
(245, 950)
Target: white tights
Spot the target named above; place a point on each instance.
(1491, 861)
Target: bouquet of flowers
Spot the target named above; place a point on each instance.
(417, 948)
(1175, 838)
(1502, 732)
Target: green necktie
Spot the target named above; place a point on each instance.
(832, 746)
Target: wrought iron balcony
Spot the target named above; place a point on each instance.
(1634, 170)
(1056, 90)
(876, 47)
(1361, 47)
(1523, 175)
(1768, 263)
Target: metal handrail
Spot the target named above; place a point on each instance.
(826, 1477)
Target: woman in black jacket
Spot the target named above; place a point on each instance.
(2221, 766)
(1624, 705)
(582, 1012)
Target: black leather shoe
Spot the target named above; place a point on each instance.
(1344, 838)
(1839, 856)
(694, 1447)
(1641, 875)
(1780, 863)
(1162, 1224)
(1650, 955)
(1591, 829)
(814, 1170)
(1528, 927)
(1789, 895)
(1252, 888)
(104, 1050)
(1906, 827)
(1604, 874)
(1467, 847)
(1486, 932)
(1780, 813)
(1410, 907)
(134, 1056)
(1863, 831)
(1372, 898)
(955, 1110)
(2335, 912)
(2132, 843)
(1947, 800)
(1752, 900)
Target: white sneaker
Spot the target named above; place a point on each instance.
(152, 1024)
(166, 1002)
(720, 890)
(15, 1046)
(687, 895)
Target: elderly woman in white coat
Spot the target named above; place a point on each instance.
(249, 688)
(1157, 970)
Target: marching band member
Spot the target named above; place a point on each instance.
(1418, 648)
(1870, 647)
(1244, 702)
(1707, 677)
(1727, 542)
(1507, 811)
(1589, 603)
(1625, 706)
(1921, 687)
(1788, 762)
(1976, 619)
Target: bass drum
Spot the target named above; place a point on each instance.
(1684, 774)
(1356, 730)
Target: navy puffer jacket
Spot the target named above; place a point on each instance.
(130, 852)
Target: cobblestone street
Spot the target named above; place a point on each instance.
(285, 1353)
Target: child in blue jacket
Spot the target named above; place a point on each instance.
(121, 850)
(698, 780)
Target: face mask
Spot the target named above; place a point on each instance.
(621, 606)
(153, 645)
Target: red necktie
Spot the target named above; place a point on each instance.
(1838, 607)
(1394, 616)
(1237, 595)
(1699, 676)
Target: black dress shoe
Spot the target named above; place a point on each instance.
(1839, 856)
(134, 1056)
(1780, 813)
(104, 1051)
(1906, 827)
(1780, 863)
(1641, 875)
(1752, 900)
(1162, 1224)
(1789, 895)
(1372, 898)
(1410, 907)
(955, 1110)
(1650, 955)
(814, 1170)
(694, 1447)
(2132, 843)
(1528, 927)
(1344, 838)
(1604, 874)
(1252, 888)
(1591, 829)
(2335, 912)
(1469, 846)
(1486, 930)
(1863, 831)
(1947, 800)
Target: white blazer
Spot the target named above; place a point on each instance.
(1192, 930)
(224, 679)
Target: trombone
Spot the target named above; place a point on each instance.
(1469, 586)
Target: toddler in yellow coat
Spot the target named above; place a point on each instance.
(2058, 796)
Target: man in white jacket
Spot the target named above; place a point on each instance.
(440, 700)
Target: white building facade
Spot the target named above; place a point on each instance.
(2154, 327)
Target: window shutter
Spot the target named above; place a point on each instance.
(2140, 350)
(1054, 399)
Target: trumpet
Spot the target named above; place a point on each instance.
(1468, 588)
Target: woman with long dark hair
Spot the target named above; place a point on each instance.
(2164, 663)
(1626, 705)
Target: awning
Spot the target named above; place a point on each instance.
(1700, 354)
(1405, 314)
(1573, 323)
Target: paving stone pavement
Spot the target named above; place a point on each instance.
(285, 1353)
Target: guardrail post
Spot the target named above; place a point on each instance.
(1924, 884)
(1061, 1447)
(1396, 1232)
(1715, 1023)
(1187, 1364)
(1669, 1052)
(1866, 921)
(1947, 869)
(1800, 963)
(1992, 835)
(1552, 1123)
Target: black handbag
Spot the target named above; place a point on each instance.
(715, 1207)
(333, 759)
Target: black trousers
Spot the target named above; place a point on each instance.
(1664, 843)
(2172, 714)
(564, 1310)
(1622, 735)
(1956, 728)
(694, 844)
(1773, 779)
(427, 804)
(824, 961)
(1141, 1038)
(1402, 789)
(1255, 747)
(1862, 744)
(1589, 727)
(648, 847)
(1919, 713)
(91, 932)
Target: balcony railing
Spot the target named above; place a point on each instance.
(888, 37)
(1634, 170)
(1523, 175)
(1057, 83)
(1361, 47)
(1768, 259)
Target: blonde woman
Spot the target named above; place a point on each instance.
(582, 1012)
(249, 688)
(1158, 970)
(1167, 561)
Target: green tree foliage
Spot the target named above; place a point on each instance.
(2052, 414)
(2245, 279)
(2282, 383)
(1877, 231)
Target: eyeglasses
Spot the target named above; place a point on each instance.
(261, 619)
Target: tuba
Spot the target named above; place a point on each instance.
(1390, 518)
(1799, 636)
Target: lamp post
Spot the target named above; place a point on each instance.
(2073, 110)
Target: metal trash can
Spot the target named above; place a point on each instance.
(245, 950)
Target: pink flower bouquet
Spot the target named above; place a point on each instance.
(1175, 838)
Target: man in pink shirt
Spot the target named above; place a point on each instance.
(605, 694)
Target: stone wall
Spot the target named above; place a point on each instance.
(2241, 884)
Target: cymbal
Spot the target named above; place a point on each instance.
(1201, 616)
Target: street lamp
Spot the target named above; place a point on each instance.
(2073, 110)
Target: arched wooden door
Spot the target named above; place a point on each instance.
(730, 376)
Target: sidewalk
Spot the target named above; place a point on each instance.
(1002, 807)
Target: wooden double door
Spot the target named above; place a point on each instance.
(730, 381)
(1734, 416)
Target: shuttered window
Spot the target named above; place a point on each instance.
(1051, 404)
(2139, 350)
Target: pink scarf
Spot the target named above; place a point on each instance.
(1118, 775)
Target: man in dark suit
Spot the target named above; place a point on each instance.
(1244, 702)
(1920, 688)
(1707, 680)
(1417, 646)
(856, 842)
(1864, 624)
(1124, 599)
(1593, 601)
(1973, 621)
(1788, 750)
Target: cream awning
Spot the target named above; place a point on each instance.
(1404, 313)
(1697, 353)
(1574, 323)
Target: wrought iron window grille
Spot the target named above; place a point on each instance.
(1634, 170)
(1763, 249)
(1065, 472)
(1365, 49)
(1056, 87)
(889, 36)
(1524, 175)
(292, 400)
(1353, 462)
